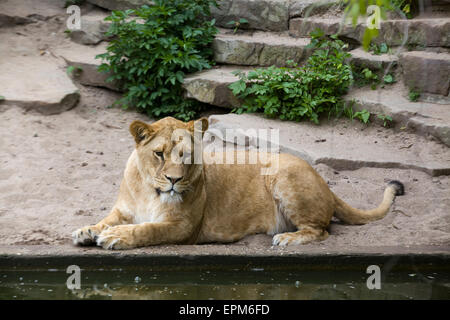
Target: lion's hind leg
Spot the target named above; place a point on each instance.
(303, 236)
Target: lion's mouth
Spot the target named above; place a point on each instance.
(172, 192)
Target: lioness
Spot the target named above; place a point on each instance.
(166, 201)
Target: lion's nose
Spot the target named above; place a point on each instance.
(174, 179)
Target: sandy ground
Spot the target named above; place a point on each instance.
(61, 172)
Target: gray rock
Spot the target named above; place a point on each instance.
(307, 8)
(426, 71)
(423, 118)
(92, 31)
(120, 4)
(82, 58)
(266, 15)
(259, 48)
(36, 85)
(383, 63)
(14, 12)
(211, 86)
(420, 32)
(351, 150)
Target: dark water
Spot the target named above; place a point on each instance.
(256, 284)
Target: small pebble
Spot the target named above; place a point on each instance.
(84, 164)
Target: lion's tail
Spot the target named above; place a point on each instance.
(351, 215)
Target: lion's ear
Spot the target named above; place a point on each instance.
(140, 131)
(200, 125)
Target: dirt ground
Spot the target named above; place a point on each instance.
(61, 172)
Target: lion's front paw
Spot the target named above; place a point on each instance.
(85, 236)
(116, 238)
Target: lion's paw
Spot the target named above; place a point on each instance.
(116, 238)
(85, 236)
(280, 239)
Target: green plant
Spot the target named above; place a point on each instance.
(413, 95)
(406, 6)
(2, 98)
(364, 77)
(72, 70)
(385, 118)
(152, 50)
(299, 93)
(362, 115)
(389, 79)
(237, 24)
(379, 49)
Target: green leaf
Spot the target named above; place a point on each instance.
(388, 79)
(384, 48)
(70, 70)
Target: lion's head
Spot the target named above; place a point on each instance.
(169, 155)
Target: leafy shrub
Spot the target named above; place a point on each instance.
(152, 50)
(299, 93)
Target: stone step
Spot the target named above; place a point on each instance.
(418, 32)
(426, 71)
(82, 58)
(120, 4)
(339, 144)
(14, 12)
(364, 59)
(31, 78)
(259, 48)
(266, 15)
(93, 28)
(425, 118)
(211, 86)
(37, 85)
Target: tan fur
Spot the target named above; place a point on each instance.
(216, 202)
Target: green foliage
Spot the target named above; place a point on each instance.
(389, 79)
(379, 49)
(152, 50)
(413, 95)
(406, 6)
(2, 98)
(385, 118)
(364, 77)
(362, 115)
(347, 111)
(237, 24)
(299, 93)
(76, 71)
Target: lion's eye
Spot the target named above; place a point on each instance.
(159, 154)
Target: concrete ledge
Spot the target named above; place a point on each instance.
(225, 257)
